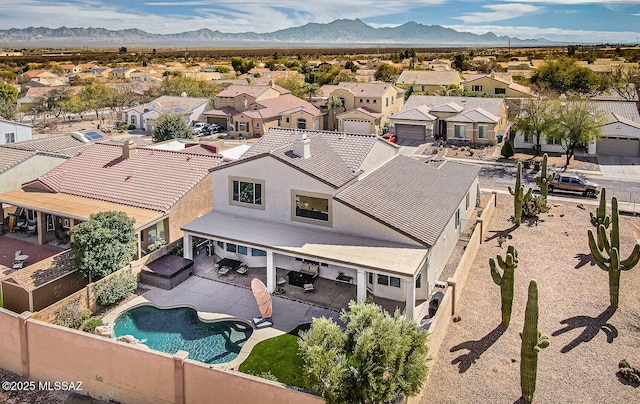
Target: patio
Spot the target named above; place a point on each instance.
(327, 292)
(10, 243)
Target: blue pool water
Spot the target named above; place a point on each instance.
(171, 330)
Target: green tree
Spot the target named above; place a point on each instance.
(577, 122)
(351, 66)
(461, 62)
(241, 65)
(7, 109)
(387, 73)
(8, 93)
(625, 81)
(96, 96)
(292, 82)
(311, 89)
(565, 75)
(375, 359)
(54, 100)
(171, 126)
(103, 244)
(123, 50)
(536, 117)
(76, 105)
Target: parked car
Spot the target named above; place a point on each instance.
(390, 137)
(210, 129)
(198, 126)
(574, 183)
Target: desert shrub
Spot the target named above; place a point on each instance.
(507, 151)
(71, 315)
(533, 206)
(91, 325)
(116, 288)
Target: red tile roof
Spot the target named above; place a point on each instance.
(151, 178)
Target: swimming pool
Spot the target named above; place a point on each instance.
(174, 329)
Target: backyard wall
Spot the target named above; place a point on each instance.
(112, 370)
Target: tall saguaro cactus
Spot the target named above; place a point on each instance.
(508, 266)
(601, 217)
(543, 179)
(607, 253)
(532, 342)
(519, 196)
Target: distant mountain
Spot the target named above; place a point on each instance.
(336, 33)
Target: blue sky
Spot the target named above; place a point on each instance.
(564, 20)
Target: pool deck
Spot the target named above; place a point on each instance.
(216, 300)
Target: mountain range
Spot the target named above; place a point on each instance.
(339, 33)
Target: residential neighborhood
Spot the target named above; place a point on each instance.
(193, 224)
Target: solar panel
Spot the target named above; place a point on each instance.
(91, 136)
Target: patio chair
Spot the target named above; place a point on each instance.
(308, 288)
(223, 271)
(32, 230)
(18, 253)
(18, 264)
(242, 270)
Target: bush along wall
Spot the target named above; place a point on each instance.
(115, 288)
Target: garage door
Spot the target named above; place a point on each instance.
(357, 126)
(222, 122)
(413, 132)
(618, 146)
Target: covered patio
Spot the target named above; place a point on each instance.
(272, 249)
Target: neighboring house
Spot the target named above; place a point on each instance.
(121, 73)
(145, 77)
(100, 71)
(70, 68)
(438, 64)
(429, 81)
(493, 85)
(351, 204)
(12, 131)
(366, 107)
(620, 134)
(162, 190)
(34, 95)
(145, 116)
(476, 120)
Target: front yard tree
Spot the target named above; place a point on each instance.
(103, 244)
(565, 75)
(375, 359)
(535, 118)
(577, 123)
(387, 73)
(171, 126)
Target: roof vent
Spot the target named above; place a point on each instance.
(302, 145)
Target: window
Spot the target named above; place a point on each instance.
(393, 99)
(287, 119)
(476, 88)
(460, 131)
(368, 101)
(220, 244)
(49, 221)
(375, 101)
(31, 215)
(483, 132)
(302, 123)
(389, 281)
(457, 218)
(156, 232)
(467, 201)
(9, 137)
(242, 250)
(246, 192)
(528, 137)
(552, 141)
(371, 277)
(419, 281)
(231, 247)
(257, 125)
(360, 100)
(386, 102)
(500, 91)
(66, 223)
(244, 103)
(310, 207)
(258, 253)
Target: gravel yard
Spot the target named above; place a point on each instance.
(479, 362)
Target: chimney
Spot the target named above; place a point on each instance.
(128, 149)
(302, 145)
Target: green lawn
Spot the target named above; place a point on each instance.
(279, 356)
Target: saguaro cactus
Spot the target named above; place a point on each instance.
(532, 342)
(601, 217)
(519, 196)
(607, 253)
(508, 266)
(543, 179)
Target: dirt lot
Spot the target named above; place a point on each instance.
(480, 363)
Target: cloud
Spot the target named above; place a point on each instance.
(552, 34)
(500, 12)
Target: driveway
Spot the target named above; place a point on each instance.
(620, 168)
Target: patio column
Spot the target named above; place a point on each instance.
(139, 235)
(41, 227)
(411, 297)
(187, 243)
(361, 284)
(271, 272)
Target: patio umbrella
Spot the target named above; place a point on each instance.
(263, 297)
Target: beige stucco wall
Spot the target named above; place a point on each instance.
(472, 130)
(28, 170)
(10, 356)
(374, 123)
(194, 204)
(489, 87)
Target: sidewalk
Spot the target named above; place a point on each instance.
(588, 173)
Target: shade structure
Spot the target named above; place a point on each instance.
(263, 297)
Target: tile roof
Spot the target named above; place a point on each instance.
(335, 156)
(491, 105)
(419, 113)
(375, 89)
(625, 109)
(222, 111)
(252, 91)
(412, 197)
(286, 103)
(15, 122)
(428, 77)
(172, 104)
(43, 91)
(65, 145)
(363, 110)
(478, 115)
(12, 157)
(610, 118)
(151, 178)
(45, 271)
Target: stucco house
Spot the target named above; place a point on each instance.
(620, 132)
(366, 107)
(429, 81)
(145, 116)
(121, 73)
(475, 120)
(351, 205)
(161, 189)
(494, 85)
(12, 131)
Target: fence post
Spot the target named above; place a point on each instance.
(480, 222)
(24, 342)
(178, 375)
(452, 282)
(495, 198)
